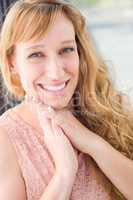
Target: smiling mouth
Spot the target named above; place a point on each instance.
(54, 89)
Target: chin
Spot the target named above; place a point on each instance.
(58, 103)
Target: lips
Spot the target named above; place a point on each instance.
(54, 88)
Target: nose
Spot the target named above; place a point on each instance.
(55, 69)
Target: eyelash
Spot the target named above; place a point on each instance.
(68, 48)
(33, 55)
(71, 49)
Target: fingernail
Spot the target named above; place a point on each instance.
(51, 110)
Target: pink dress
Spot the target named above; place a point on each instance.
(37, 166)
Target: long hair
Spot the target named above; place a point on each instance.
(95, 102)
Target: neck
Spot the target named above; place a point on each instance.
(28, 113)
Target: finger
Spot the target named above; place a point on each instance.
(45, 110)
(57, 130)
(45, 122)
(62, 117)
(51, 111)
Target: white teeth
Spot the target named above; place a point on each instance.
(55, 88)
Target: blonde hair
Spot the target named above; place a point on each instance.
(99, 106)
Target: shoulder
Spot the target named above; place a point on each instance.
(5, 118)
(10, 174)
(7, 154)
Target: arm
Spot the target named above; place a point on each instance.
(118, 168)
(11, 182)
(114, 165)
(59, 188)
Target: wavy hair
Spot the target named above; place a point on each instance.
(96, 102)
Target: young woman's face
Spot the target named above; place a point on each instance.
(49, 68)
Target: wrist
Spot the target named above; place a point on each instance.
(95, 144)
(67, 179)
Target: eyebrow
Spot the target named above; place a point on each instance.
(42, 45)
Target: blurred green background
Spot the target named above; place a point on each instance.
(103, 3)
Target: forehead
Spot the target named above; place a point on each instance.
(61, 31)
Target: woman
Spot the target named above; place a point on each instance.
(71, 136)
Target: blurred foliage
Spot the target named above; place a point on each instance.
(85, 2)
(118, 3)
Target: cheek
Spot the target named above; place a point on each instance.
(72, 66)
(28, 75)
(31, 71)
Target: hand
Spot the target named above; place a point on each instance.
(81, 137)
(63, 154)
